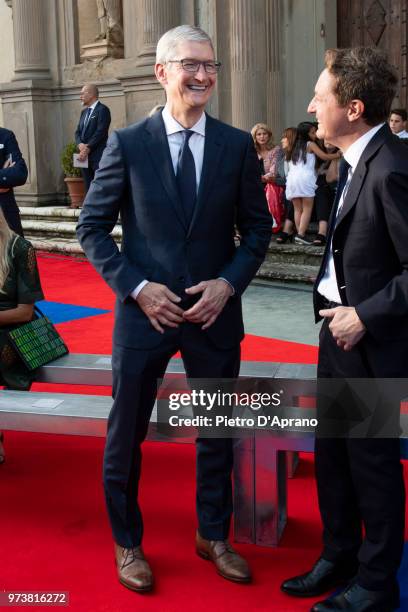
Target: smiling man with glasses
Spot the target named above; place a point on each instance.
(179, 179)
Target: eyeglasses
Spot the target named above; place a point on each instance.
(190, 65)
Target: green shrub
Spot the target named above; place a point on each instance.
(66, 160)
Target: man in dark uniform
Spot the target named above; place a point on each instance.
(13, 172)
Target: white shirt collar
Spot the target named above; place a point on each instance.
(172, 126)
(355, 151)
(402, 134)
(92, 107)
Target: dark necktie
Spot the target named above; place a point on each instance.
(344, 167)
(87, 116)
(186, 177)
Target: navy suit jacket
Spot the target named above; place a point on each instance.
(17, 174)
(137, 180)
(96, 131)
(370, 250)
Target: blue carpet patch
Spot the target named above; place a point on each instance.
(61, 313)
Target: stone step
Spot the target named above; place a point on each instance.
(50, 213)
(304, 255)
(57, 229)
(287, 272)
(66, 246)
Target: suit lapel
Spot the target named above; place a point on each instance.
(158, 147)
(360, 173)
(212, 151)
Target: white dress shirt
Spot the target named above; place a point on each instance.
(328, 284)
(174, 131)
(402, 134)
(89, 114)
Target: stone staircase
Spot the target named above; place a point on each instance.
(52, 228)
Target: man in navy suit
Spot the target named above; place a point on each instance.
(91, 134)
(13, 172)
(178, 180)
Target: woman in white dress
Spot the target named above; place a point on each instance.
(301, 179)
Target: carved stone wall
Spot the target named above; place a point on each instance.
(379, 23)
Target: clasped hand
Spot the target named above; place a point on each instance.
(346, 327)
(160, 304)
(7, 164)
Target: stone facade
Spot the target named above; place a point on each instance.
(60, 44)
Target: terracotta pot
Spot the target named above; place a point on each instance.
(76, 190)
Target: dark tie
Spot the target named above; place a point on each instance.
(186, 177)
(87, 116)
(344, 167)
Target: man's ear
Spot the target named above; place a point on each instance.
(160, 72)
(355, 110)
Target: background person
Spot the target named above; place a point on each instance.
(301, 179)
(398, 122)
(13, 173)
(178, 179)
(20, 288)
(361, 291)
(92, 131)
(287, 142)
(268, 155)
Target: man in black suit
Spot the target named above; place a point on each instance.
(178, 179)
(13, 172)
(91, 134)
(362, 293)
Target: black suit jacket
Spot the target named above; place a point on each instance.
(16, 175)
(96, 131)
(136, 179)
(370, 250)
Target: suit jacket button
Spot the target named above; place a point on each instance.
(182, 279)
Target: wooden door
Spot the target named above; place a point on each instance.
(379, 23)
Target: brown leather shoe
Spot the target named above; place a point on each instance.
(229, 563)
(133, 570)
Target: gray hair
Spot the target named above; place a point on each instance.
(168, 43)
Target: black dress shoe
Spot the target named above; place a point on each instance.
(357, 599)
(325, 575)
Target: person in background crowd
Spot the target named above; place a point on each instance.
(268, 155)
(92, 131)
(287, 142)
(20, 288)
(13, 173)
(301, 179)
(361, 292)
(398, 122)
(327, 176)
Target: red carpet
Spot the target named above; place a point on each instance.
(54, 530)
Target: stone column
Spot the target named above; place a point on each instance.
(248, 62)
(155, 18)
(273, 68)
(30, 39)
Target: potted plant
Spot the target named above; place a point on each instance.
(73, 177)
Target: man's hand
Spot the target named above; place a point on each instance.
(215, 295)
(83, 151)
(159, 305)
(8, 163)
(346, 326)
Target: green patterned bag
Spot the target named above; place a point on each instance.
(37, 342)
